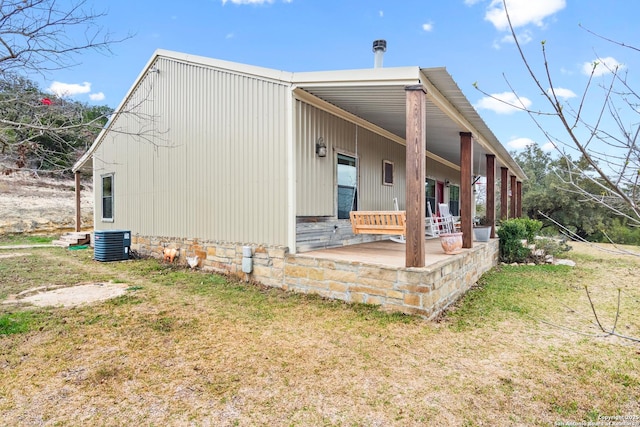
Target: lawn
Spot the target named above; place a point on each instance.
(184, 347)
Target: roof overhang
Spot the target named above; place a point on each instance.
(377, 96)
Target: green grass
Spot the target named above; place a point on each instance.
(19, 322)
(187, 340)
(25, 239)
(521, 291)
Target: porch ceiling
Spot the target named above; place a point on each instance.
(383, 103)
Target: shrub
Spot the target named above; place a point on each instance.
(512, 232)
(552, 246)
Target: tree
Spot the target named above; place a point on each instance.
(45, 132)
(40, 36)
(545, 191)
(40, 131)
(606, 143)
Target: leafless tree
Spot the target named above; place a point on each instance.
(39, 36)
(606, 169)
(40, 131)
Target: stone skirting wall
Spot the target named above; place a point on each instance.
(423, 291)
(221, 257)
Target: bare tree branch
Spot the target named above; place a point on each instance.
(602, 129)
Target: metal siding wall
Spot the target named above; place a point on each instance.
(316, 190)
(316, 176)
(372, 150)
(218, 168)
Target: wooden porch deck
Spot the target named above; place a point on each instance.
(384, 253)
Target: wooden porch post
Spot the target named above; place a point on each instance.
(519, 203)
(78, 215)
(491, 193)
(466, 172)
(514, 197)
(504, 193)
(416, 100)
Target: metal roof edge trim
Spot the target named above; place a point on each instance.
(379, 76)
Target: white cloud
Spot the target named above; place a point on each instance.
(520, 143)
(549, 146)
(471, 2)
(69, 89)
(427, 27)
(522, 12)
(604, 66)
(229, 36)
(562, 92)
(381, 14)
(503, 103)
(96, 96)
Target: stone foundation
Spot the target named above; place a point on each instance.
(423, 291)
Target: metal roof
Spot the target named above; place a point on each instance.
(376, 96)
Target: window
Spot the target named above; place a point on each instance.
(430, 192)
(107, 197)
(347, 186)
(387, 172)
(454, 200)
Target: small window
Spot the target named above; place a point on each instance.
(387, 172)
(454, 200)
(107, 197)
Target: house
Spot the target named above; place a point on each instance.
(211, 156)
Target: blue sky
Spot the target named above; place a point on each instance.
(468, 37)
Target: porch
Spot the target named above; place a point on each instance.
(375, 273)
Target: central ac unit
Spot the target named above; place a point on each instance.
(111, 245)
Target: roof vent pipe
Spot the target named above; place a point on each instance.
(379, 48)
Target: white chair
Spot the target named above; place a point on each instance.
(432, 223)
(448, 221)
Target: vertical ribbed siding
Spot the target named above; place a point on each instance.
(216, 166)
(373, 149)
(316, 190)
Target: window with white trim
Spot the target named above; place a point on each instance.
(107, 197)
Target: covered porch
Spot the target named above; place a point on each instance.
(423, 110)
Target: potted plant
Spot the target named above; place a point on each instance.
(482, 229)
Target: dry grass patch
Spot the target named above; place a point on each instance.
(184, 347)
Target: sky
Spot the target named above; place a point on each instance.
(470, 38)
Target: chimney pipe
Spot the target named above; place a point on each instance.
(379, 48)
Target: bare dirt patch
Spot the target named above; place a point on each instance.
(68, 296)
(31, 204)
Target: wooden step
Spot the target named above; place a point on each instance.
(73, 239)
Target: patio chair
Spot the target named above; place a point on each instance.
(432, 223)
(448, 221)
